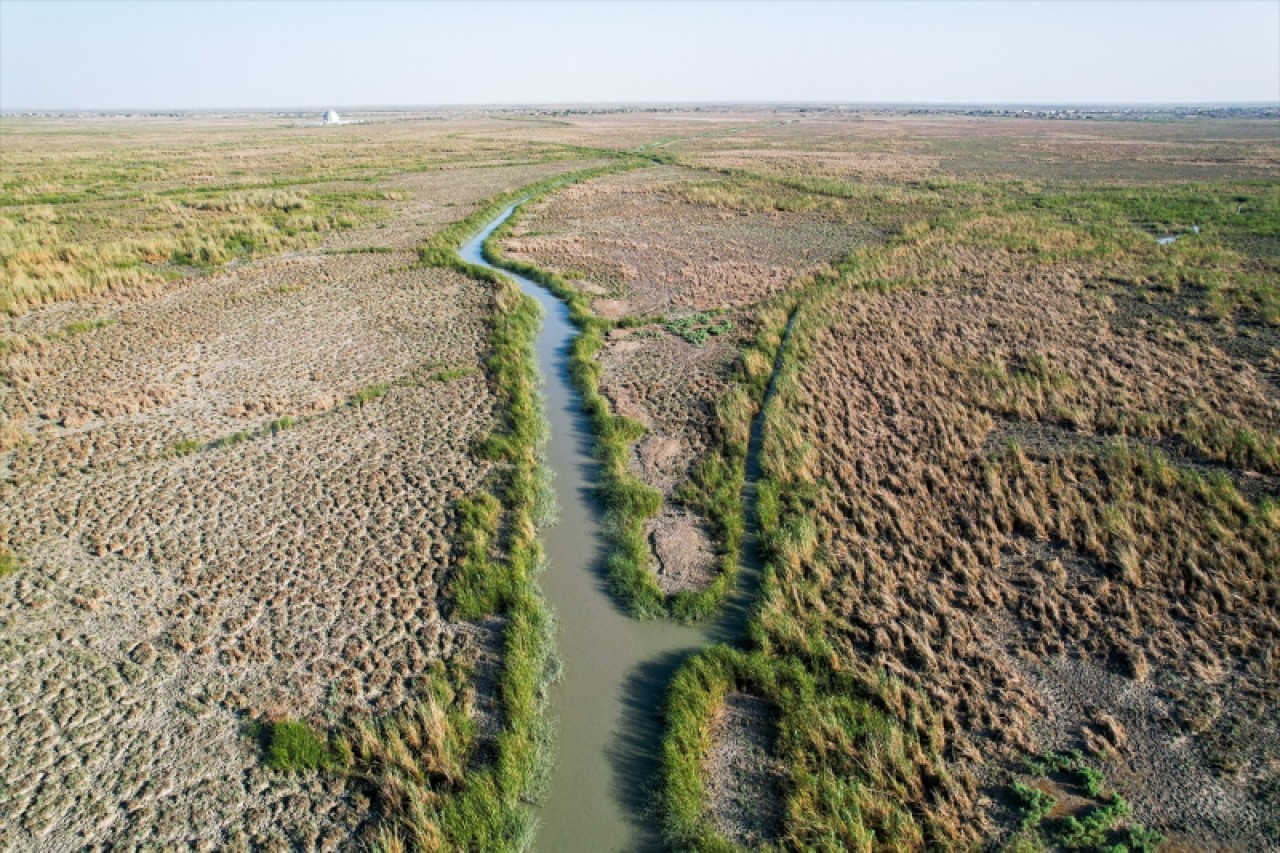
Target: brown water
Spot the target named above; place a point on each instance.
(616, 669)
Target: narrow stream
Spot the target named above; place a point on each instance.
(616, 669)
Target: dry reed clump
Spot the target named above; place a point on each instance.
(913, 539)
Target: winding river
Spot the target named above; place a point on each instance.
(616, 669)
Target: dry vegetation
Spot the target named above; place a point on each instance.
(1020, 495)
(234, 494)
(266, 541)
(1020, 451)
(98, 206)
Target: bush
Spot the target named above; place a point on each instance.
(293, 746)
(8, 562)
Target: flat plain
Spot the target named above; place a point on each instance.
(1014, 383)
(1019, 471)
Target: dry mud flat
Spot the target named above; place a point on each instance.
(865, 145)
(633, 242)
(744, 779)
(167, 600)
(1018, 586)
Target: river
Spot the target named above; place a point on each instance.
(606, 706)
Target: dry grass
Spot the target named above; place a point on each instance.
(962, 510)
(293, 566)
(90, 208)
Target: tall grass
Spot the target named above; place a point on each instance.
(858, 778)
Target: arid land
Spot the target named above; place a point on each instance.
(268, 467)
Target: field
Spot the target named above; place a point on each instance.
(1020, 468)
(1011, 457)
(232, 483)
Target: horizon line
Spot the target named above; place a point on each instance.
(794, 104)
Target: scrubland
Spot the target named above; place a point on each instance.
(246, 426)
(269, 451)
(1019, 474)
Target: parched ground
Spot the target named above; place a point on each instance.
(744, 777)
(1018, 519)
(233, 500)
(639, 244)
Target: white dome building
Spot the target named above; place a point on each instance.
(331, 117)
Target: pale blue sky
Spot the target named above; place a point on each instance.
(193, 55)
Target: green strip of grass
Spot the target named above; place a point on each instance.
(855, 775)
(294, 746)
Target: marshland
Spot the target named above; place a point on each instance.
(717, 478)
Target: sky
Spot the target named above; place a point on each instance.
(241, 55)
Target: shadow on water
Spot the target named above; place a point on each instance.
(635, 751)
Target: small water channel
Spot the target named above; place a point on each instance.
(616, 669)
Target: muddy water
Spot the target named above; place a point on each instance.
(616, 669)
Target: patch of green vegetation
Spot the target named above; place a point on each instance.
(281, 423)
(368, 394)
(8, 562)
(853, 768)
(699, 327)
(1099, 829)
(452, 373)
(1219, 439)
(233, 439)
(482, 586)
(186, 446)
(294, 746)
(1033, 802)
(80, 327)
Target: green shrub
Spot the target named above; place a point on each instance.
(186, 447)
(1033, 803)
(294, 746)
(8, 562)
(281, 423)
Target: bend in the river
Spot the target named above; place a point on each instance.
(616, 669)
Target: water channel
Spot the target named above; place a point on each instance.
(616, 669)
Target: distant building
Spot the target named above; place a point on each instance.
(331, 117)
